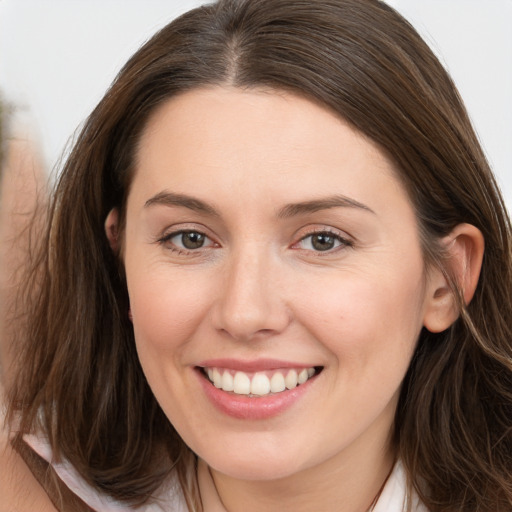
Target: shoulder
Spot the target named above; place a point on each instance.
(22, 468)
(19, 488)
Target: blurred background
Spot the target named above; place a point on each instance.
(57, 58)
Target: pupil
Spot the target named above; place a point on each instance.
(192, 240)
(323, 242)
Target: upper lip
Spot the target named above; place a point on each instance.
(256, 365)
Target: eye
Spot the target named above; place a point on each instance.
(188, 240)
(322, 241)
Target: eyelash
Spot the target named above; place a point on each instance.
(342, 241)
(166, 240)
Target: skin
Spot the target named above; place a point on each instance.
(258, 288)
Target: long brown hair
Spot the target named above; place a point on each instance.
(79, 374)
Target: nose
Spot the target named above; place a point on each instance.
(250, 303)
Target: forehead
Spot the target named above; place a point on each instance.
(219, 140)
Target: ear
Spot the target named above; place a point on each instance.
(464, 248)
(112, 229)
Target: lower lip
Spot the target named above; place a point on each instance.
(255, 408)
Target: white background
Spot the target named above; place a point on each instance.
(57, 57)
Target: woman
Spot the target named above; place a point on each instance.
(263, 281)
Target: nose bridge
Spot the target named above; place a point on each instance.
(249, 304)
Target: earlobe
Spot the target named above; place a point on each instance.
(464, 250)
(112, 229)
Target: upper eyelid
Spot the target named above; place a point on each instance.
(331, 231)
(327, 229)
(171, 234)
(181, 227)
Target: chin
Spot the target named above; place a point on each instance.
(267, 471)
(254, 465)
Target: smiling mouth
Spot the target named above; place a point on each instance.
(259, 384)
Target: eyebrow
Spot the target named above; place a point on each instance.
(166, 198)
(336, 201)
(171, 199)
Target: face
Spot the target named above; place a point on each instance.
(276, 281)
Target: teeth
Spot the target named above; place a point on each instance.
(291, 379)
(277, 383)
(303, 376)
(259, 383)
(241, 384)
(217, 378)
(228, 383)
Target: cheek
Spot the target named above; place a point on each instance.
(166, 308)
(365, 318)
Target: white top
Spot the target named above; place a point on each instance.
(170, 498)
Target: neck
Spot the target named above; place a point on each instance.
(344, 483)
